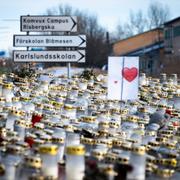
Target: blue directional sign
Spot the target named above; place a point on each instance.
(2, 53)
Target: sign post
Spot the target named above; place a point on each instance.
(69, 70)
(65, 24)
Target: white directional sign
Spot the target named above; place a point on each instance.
(49, 56)
(48, 23)
(49, 41)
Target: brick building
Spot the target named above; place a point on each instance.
(158, 49)
(172, 46)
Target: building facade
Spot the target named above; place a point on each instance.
(158, 49)
(172, 46)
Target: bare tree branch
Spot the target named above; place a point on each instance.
(157, 14)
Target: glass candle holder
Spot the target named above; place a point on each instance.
(48, 153)
(69, 110)
(138, 161)
(31, 165)
(10, 172)
(59, 141)
(75, 162)
(11, 161)
(72, 138)
(20, 128)
(13, 115)
(88, 143)
(7, 92)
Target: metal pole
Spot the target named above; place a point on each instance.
(69, 64)
(27, 64)
(69, 70)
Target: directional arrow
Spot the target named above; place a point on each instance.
(83, 43)
(48, 23)
(49, 41)
(49, 56)
(81, 59)
(74, 23)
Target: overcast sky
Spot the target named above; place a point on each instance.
(109, 12)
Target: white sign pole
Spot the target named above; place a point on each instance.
(69, 70)
(69, 67)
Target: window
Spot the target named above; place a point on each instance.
(167, 34)
(176, 31)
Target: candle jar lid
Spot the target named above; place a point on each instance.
(150, 133)
(89, 141)
(123, 159)
(88, 119)
(107, 142)
(143, 109)
(103, 132)
(150, 167)
(81, 108)
(98, 153)
(161, 139)
(57, 139)
(50, 149)
(103, 124)
(162, 106)
(39, 126)
(33, 161)
(8, 85)
(69, 128)
(14, 149)
(12, 134)
(154, 144)
(114, 124)
(2, 169)
(124, 111)
(25, 99)
(110, 157)
(16, 112)
(166, 173)
(57, 104)
(126, 146)
(15, 99)
(22, 144)
(48, 107)
(134, 103)
(46, 138)
(166, 132)
(169, 145)
(132, 118)
(2, 99)
(21, 123)
(69, 107)
(48, 131)
(117, 142)
(75, 150)
(138, 150)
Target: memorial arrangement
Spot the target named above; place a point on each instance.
(64, 128)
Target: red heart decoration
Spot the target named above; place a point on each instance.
(129, 73)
